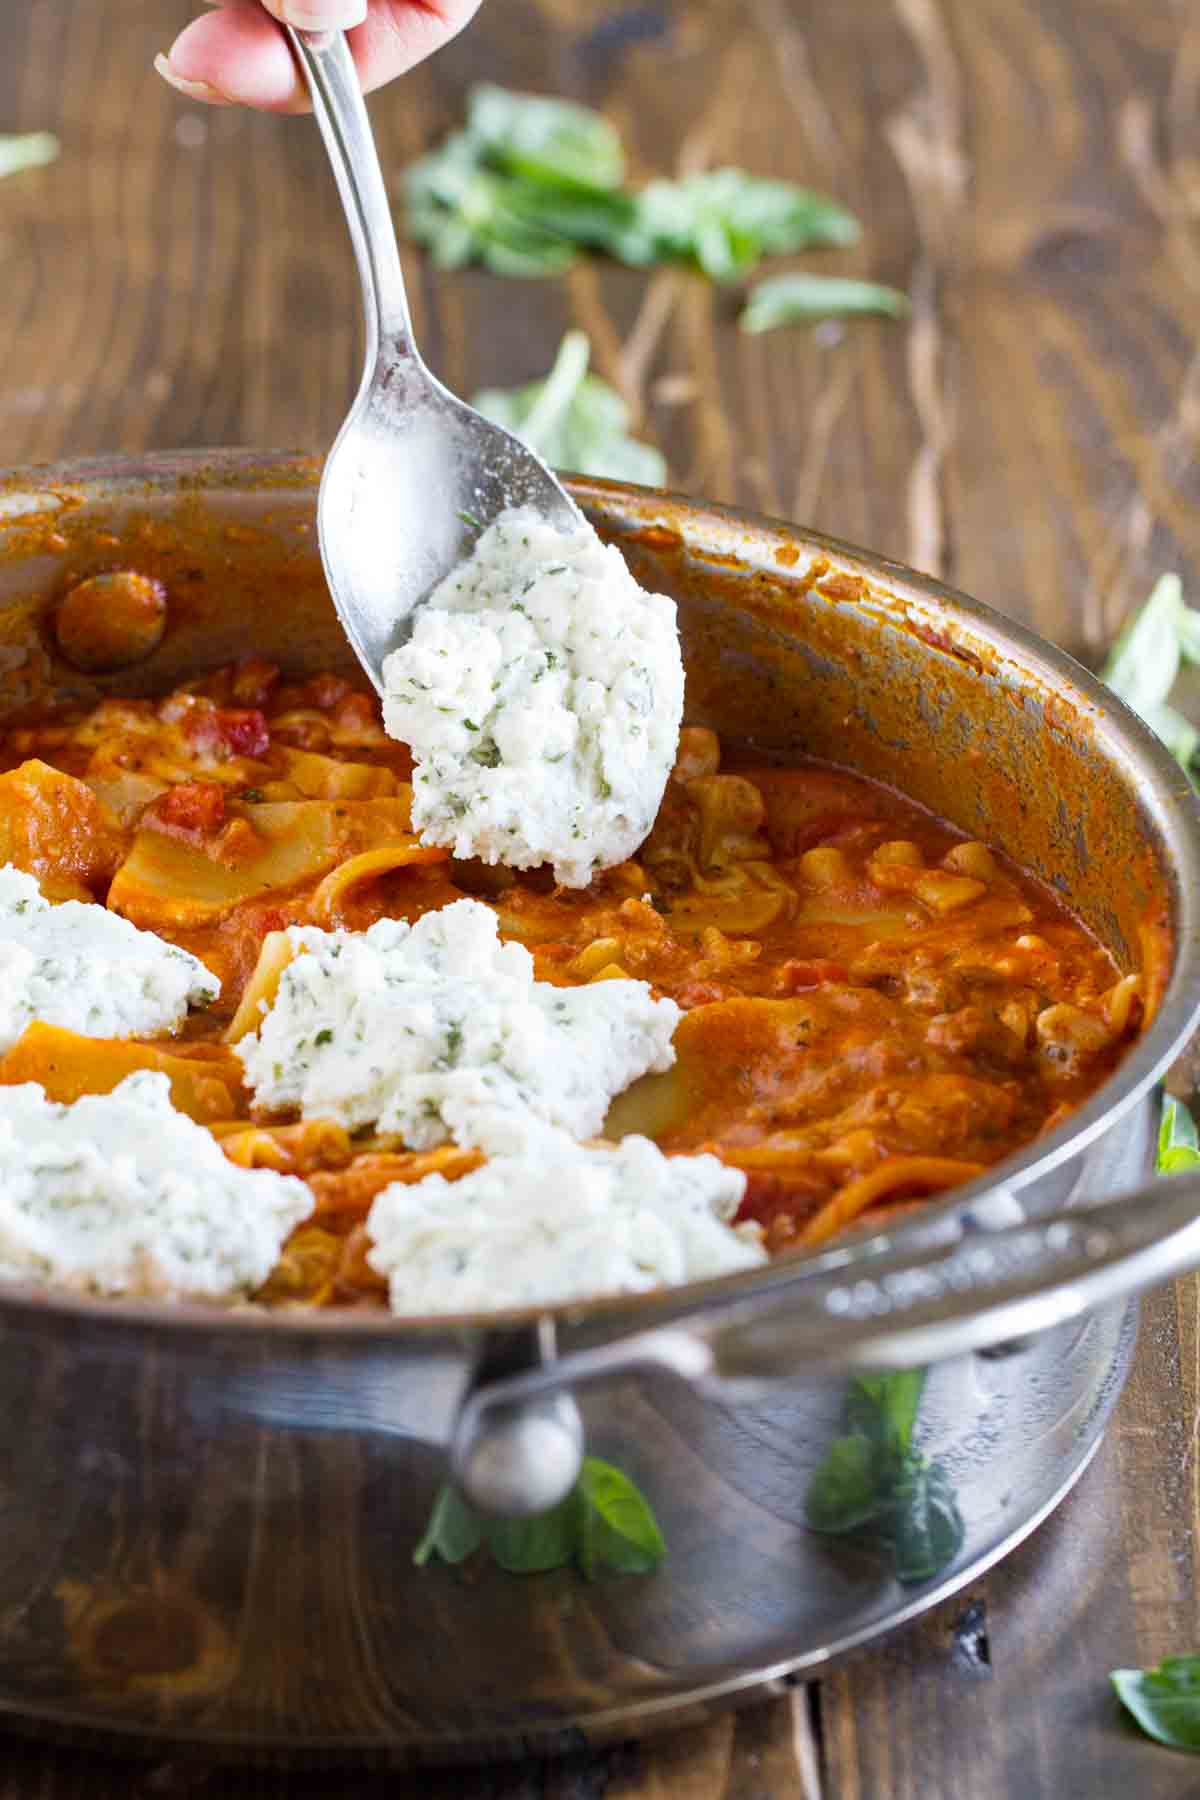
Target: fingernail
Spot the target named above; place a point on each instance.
(321, 15)
(195, 90)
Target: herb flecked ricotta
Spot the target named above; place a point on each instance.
(558, 1221)
(121, 1194)
(541, 694)
(438, 1030)
(88, 970)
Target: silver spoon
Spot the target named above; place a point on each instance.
(414, 473)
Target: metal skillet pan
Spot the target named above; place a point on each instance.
(208, 1520)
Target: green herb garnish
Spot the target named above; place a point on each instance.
(531, 180)
(574, 420)
(605, 1522)
(872, 1481)
(545, 138)
(1178, 1143)
(1165, 1701)
(27, 150)
(725, 221)
(801, 297)
(1142, 666)
(526, 182)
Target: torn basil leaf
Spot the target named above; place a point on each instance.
(530, 180)
(885, 1407)
(26, 150)
(605, 1523)
(525, 183)
(1165, 1701)
(726, 221)
(923, 1525)
(802, 298)
(618, 1531)
(872, 1484)
(1178, 1143)
(574, 420)
(453, 1532)
(1142, 666)
(844, 1492)
(545, 138)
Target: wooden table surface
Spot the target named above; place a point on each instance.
(1030, 171)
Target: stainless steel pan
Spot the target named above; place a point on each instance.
(210, 1519)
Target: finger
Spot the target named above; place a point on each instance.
(318, 15)
(236, 55)
(398, 34)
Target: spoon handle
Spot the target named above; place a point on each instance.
(328, 67)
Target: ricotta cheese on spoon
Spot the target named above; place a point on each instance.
(121, 1194)
(557, 1221)
(541, 694)
(438, 1030)
(86, 969)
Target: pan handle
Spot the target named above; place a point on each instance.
(519, 1440)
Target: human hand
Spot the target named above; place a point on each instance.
(237, 56)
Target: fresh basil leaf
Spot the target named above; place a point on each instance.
(604, 1523)
(1165, 1701)
(1143, 663)
(800, 297)
(924, 1526)
(1178, 734)
(532, 179)
(532, 1546)
(26, 150)
(1178, 1142)
(884, 1407)
(527, 182)
(726, 221)
(618, 1529)
(574, 420)
(1188, 627)
(545, 138)
(463, 212)
(845, 1491)
(871, 1482)
(454, 1531)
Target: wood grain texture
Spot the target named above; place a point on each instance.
(1030, 171)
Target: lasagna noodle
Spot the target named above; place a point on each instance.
(206, 1085)
(325, 907)
(898, 1177)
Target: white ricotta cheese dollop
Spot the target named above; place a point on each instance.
(121, 1194)
(438, 1030)
(558, 1221)
(88, 970)
(541, 694)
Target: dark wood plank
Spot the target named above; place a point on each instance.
(1028, 169)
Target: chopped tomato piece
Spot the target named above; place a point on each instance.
(798, 973)
(223, 732)
(193, 807)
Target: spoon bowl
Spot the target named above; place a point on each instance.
(415, 474)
